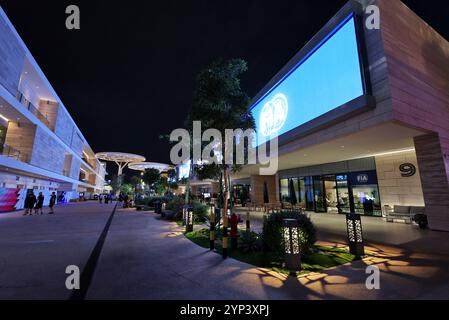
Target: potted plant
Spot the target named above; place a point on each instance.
(421, 220)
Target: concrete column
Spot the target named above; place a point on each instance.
(432, 154)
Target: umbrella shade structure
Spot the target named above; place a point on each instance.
(143, 166)
(120, 158)
(266, 198)
(293, 198)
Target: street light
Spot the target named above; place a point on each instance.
(292, 244)
(189, 219)
(355, 234)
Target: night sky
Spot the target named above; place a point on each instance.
(128, 75)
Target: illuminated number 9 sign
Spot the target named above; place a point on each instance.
(407, 170)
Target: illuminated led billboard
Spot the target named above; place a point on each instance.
(328, 77)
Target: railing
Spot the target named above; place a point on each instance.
(25, 102)
(13, 153)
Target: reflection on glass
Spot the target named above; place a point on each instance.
(330, 186)
(284, 190)
(344, 204)
(308, 187)
(367, 200)
(318, 190)
(295, 197)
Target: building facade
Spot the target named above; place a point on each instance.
(362, 118)
(41, 147)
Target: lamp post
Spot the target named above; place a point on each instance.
(292, 244)
(355, 234)
(234, 231)
(189, 219)
(212, 228)
(225, 234)
(248, 222)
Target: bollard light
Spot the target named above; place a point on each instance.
(184, 214)
(212, 227)
(225, 233)
(189, 219)
(292, 243)
(355, 234)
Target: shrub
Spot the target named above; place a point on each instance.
(272, 231)
(200, 211)
(250, 242)
(176, 204)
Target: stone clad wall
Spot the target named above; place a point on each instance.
(418, 71)
(393, 187)
(257, 185)
(21, 137)
(47, 152)
(12, 57)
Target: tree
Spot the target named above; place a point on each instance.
(115, 183)
(134, 181)
(220, 103)
(127, 188)
(151, 176)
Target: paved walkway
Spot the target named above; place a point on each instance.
(146, 258)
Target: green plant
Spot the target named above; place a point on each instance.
(272, 231)
(250, 242)
(127, 189)
(200, 212)
(176, 204)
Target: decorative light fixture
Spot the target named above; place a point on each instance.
(212, 228)
(355, 234)
(4, 118)
(184, 214)
(225, 233)
(292, 244)
(189, 219)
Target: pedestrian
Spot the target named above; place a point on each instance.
(52, 203)
(100, 198)
(29, 204)
(106, 199)
(39, 204)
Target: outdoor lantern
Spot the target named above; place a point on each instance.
(355, 234)
(189, 219)
(184, 214)
(292, 244)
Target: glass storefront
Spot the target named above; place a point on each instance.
(340, 193)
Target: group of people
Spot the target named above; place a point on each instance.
(106, 197)
(37, 203)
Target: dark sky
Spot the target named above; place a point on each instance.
(128, 75)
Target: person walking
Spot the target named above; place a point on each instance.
(39, 204)
(52, 203)
(100, 198)
(28, 204)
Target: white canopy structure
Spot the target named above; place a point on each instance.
(121, 159)
(142, 166)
